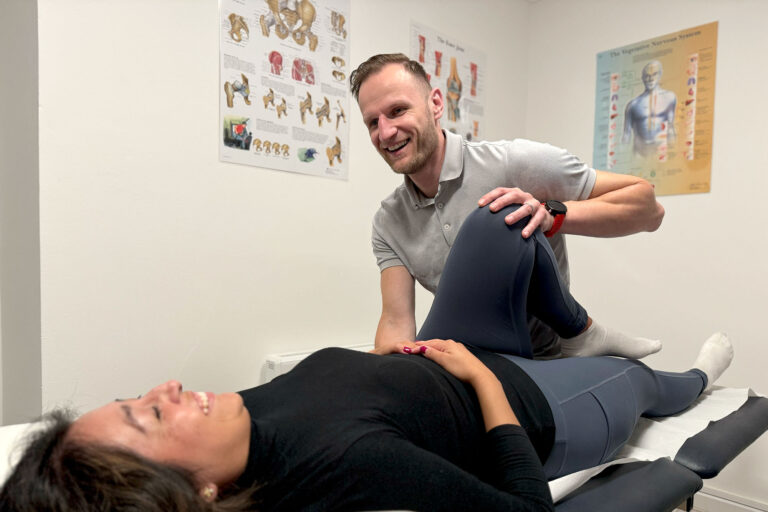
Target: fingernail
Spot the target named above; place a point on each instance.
(422, 349)
(407, 350)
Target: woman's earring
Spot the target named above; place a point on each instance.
(208, 492)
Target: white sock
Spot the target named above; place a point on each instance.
(598, 340)
(715, 356)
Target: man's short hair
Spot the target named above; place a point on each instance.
(377, 63)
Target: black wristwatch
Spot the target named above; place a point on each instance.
(558, 211)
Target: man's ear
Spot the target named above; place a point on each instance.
(436, 103)
(209, 492)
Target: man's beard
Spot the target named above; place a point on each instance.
(428, 142)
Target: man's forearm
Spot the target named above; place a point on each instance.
(620, 212)
(394, 329)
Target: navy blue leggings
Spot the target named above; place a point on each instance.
(492, 278)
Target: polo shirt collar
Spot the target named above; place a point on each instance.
(452, 169)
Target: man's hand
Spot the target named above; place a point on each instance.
(395, 347)
(500, 197)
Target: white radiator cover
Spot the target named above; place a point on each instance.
(278, 364)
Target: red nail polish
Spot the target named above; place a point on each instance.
(407, 350)
(422, 349)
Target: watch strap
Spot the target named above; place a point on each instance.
(556, 224)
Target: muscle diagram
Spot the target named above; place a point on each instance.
(276, 62)
(302, 71)
(438, 62)
(290, 18)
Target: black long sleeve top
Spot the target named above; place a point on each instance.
(346, 430)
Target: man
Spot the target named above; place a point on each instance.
(651, 115)
(446, 177)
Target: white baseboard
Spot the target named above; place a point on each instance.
(715, 500)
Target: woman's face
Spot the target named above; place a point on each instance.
(206, 433)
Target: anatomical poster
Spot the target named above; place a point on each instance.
(654, 109)
(283, 87)
(459, 72)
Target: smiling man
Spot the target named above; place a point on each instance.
(446, 177)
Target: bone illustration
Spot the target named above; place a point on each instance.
(242, 88)
(267, 147)
(324, 112)
(334, 152)
(453, 92)
(257, 145)
(276, 148)
(305, 106)
(285, 148)
(340, 115)
(438, 62)
(284, 15)
(338, 61)
(337, 23)
(237, 27)
(282, 109)
(269, 98)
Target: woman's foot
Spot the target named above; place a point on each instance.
(598, 340)
(714, 357)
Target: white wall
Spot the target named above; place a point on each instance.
(702, 271)
(159, 261)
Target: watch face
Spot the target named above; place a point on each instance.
(556, 207)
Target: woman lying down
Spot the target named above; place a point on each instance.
(426, 425)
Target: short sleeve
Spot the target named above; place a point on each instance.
(385, 256)
(549, 172)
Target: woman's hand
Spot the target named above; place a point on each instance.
(463, 365)
(456, 359)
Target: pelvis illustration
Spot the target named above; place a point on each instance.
(286, 20)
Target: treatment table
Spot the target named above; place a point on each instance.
(664, 484)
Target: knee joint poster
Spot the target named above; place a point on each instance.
(459, 72)
(654, 110)
(283, 88)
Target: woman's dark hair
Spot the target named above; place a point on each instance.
(376, 63)
(60, 474)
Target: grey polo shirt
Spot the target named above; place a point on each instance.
(417, 232)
